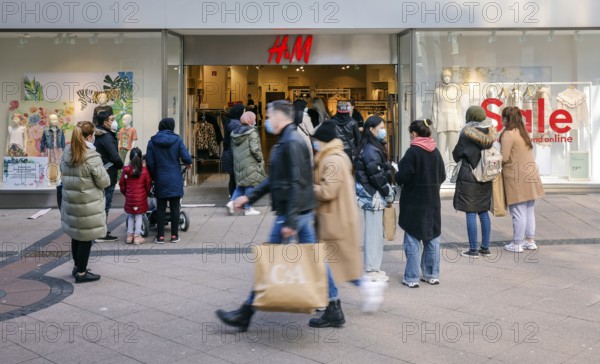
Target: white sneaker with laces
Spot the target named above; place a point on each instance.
(230, 207)
(512, 247)
(251, 212)
(372, 295)
(530, 245)
(376, 276)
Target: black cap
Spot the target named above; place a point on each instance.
(167, 124)
(326, 132)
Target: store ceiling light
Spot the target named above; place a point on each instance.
(551, 36)
(492, 38)
(94, 39)
(119, 39)
(522, 37)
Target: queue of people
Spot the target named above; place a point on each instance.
(319, 180)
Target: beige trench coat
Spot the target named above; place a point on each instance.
(337, 212)
(520, 172)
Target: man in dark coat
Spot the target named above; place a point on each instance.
(107, 146)
(164, 155)
(227, 159)
(347, 128)
(293, 200)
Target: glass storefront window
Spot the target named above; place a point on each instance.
(68, 77)
(551, 75)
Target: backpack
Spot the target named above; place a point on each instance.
(490, 164)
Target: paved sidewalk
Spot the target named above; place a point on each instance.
(155, 303)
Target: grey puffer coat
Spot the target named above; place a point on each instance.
(248, 161)
(82, 212)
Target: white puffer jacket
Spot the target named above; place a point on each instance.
(82, 211)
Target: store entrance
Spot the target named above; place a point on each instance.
(213, 90)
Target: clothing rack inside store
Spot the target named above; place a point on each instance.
(340, 93)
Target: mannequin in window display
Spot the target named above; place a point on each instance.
(514, 99)
(52, 145)
(17, 137)
(127, 136)
(103, 106)
(542, 150)
(575, 102)
(446, 115)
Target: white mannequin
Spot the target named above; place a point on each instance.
(127, 136)
(17, 135)
(103, 106)
(446, 115)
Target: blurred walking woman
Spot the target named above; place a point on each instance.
(84, 179)
(421, 173)
(522, 182)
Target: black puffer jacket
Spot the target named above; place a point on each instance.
(227, 157)
(107, 146)
(373, 171)
(469, 194)
(347, 131)
(290, 178)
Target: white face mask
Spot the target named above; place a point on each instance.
(114, 126)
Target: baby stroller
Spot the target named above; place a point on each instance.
(149, 219)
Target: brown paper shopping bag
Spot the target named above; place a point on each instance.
(389, 223)
(290, 277)
(498, 206)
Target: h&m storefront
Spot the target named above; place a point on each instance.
(391, 56)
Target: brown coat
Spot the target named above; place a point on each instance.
(337, 211)
(520, 172)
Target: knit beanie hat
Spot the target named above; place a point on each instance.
(167, 124)
(475, 113)
(326, 132)
(236, 111)
(248, 118)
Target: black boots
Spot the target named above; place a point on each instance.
(239, 318)
(332, 317)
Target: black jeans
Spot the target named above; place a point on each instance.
(81, 254)
(161, 208)
(231, 183)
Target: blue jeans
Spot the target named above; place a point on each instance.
(306, 234)
(486, 226)
(242, 191)
(426, 261)
(108, 196)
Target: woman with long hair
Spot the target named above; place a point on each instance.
(373, 187)
(318, 112)
(522, 183)
(421, 173)
(84, 179)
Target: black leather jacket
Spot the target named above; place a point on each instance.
(290, 178)
(347, 130)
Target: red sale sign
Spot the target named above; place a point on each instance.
(299, 50)
(559, 119)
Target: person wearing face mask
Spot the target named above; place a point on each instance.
(82, 212)
(421, 173)
(292, 197)
(373, 187)
(107, 146)
(248, 161)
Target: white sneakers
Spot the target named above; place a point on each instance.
(376, 276)
(251, 212)
(519, 248)
(372, 294)
(230, 207)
